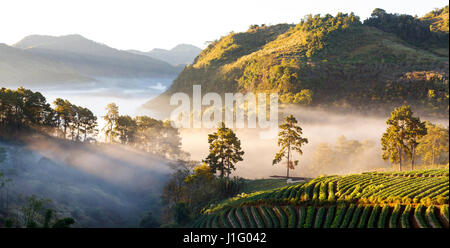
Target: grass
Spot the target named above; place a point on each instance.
(263, 184)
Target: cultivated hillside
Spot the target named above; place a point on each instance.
(382, 200)
(336, 60)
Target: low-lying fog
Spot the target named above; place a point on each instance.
(99, 186)
(318, 126)
(129, 94)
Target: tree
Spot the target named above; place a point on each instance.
(64, 113)
(289, 138)
(323, 157)
(399, 141)
(112, 114)
(126, 129)
(433, 145)
(181, 213)
(88, 122)
(24, 108)
(149, 221)
(224, 151)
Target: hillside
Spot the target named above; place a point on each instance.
(41, 59)
(341, 60)
(390, 199)
(182, 54)
(17, 65)
(117, 192)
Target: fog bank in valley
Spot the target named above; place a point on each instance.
(99, 186)
(319, 126)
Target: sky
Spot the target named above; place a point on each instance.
(144, 24)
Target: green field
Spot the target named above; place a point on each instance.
(416, 199)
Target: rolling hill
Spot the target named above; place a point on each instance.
(41, 59)
(340, 60)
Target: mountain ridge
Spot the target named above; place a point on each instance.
(335, 60)
(76, 57)
(181, 54)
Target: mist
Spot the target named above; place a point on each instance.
(97, 185)
(319, 125)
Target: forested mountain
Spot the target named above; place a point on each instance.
(48, 59)
(337, 60)
(182, 54)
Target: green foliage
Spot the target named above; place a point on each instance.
(333, 61)
(355, 217)
(181, 214)
(282, 216)
(383, 217)
(143, 133)
(241, 218)
(422, 32)
(364, 217)
(340, 212)
(393, 221)
(267, 217)
(24, 108)
(418, 215)
(434, 145)
(310, 212)
(289, 139)
(292, 217)
(251, 218)
(75, 122)
(404, 219)
(431, 217)
(319, 217)
(330, 216)
(301, 217)
(224, 151)
(279, 206)
(401, 137)
(348, 216)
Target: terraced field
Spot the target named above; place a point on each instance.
(414, 199)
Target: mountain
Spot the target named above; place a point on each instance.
(182, 54)
(18, 65)
(330, 61)
(49, 59)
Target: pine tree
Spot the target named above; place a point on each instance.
(289, 139)
(224, 151)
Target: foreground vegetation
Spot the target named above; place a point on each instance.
(381, 200)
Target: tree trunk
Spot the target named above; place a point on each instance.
(400, 158)
(289, 160)
(413, 155)
(432, 157)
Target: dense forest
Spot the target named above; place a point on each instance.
(384, 61)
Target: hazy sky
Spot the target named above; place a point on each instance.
(143, 25)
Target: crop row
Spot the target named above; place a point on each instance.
(335, 216)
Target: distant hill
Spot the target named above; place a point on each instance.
(182, 54)
(50, 59)
(17, 65)
(335, 60)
